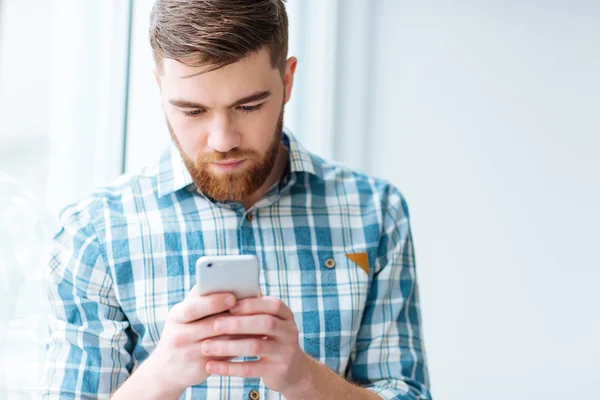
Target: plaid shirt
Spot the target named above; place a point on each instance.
(334, 245)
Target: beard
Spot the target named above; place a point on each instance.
(238, 185)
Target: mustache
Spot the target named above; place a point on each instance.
(231, 154)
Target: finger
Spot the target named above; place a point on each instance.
(193, 308)
(195, 331)
(194, 292)
(248, 369)
(262, 325)
(239, 337)
(194, 352)
(255, 347)
(263, 305)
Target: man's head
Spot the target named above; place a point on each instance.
(224, 78)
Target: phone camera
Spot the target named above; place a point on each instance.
(209, 265)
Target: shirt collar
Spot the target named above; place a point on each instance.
(173, 175)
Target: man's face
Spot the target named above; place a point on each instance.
(227, 123)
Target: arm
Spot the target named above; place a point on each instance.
(389, 355)
(322, 384)
(146, 384)
(178, 362)
(389, 359)
(90, 345)
(272, 335)
(89, 348)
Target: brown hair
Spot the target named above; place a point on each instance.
(218, 32)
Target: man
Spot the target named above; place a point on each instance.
(339, 316)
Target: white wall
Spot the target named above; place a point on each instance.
(487, 115)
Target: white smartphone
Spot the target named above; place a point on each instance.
(235, 274)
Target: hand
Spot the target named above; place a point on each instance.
(273, 339)
(178, 361)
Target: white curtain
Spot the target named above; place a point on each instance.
(62, 97)
(24, 228)
(91, 42)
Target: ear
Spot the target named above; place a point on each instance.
(288, 77)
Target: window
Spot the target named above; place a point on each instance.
(63, 73)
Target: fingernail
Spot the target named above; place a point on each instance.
(229, 301)
(209, 367)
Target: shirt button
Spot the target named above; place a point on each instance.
(330, 263)
(249, 217)
(254, 395)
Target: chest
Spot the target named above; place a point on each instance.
(317, 263)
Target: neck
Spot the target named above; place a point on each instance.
(274, 177)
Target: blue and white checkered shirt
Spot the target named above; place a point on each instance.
(334, 245)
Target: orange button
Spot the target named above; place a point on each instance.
(254, 395)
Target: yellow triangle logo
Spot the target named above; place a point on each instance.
(360, 259)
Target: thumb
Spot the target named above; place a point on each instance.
(194, 292)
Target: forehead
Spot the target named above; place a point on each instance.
(251, 74)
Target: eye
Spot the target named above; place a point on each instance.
(249, 109)
(193, 113)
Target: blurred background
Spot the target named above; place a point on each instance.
(486, 114)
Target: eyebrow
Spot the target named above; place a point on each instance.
(181, 103)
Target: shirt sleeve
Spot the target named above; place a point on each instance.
(389, 356)
(88, 354)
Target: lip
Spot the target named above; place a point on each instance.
(228, 166)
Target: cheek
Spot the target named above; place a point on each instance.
(188, 133)
(260, 134)
(258, 137)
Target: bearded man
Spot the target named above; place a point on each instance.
(339, 314)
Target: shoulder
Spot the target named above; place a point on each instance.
(115, 200)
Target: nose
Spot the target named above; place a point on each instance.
(222, 136)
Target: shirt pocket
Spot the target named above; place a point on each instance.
(327, 292)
